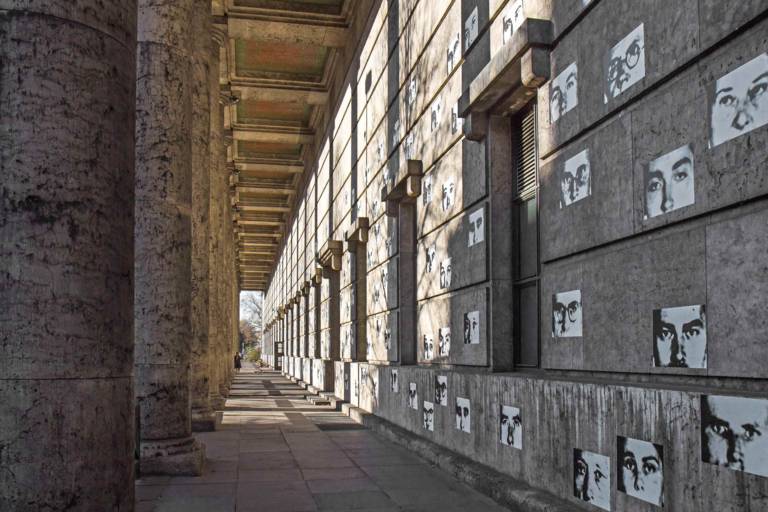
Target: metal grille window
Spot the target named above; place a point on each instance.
(526, 297)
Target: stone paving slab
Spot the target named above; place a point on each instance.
(270, 456)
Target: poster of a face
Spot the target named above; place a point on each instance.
(566, 314)
(739, 102)
(680, 337)
(625, 64)
(426, 190)
(512, 19)
(431, 253)
(387, 338)
(456, 121)
(441, 390)
(453, 52)
(640, 470)
(575, 180)
(444, 341)
(472, 328)
(429, 416)
(445, 273)
(734, 433)
(471, 27)
(592, 478)
(669, 182)
(413, 397)
(563, 92)
(449, 190)
(511, 427)
(394, 385)
(410, 146)
(435, 112)
(413, 90)
(476, 228)
(395, 133)
(429, 347)
(463, 418)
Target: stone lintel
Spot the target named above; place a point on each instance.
(359, 233)
(406, 190)
(264, 28)
(330, 255)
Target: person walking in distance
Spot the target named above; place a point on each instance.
(238, 362)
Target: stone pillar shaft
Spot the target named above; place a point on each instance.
(67, 90)
(164, 158)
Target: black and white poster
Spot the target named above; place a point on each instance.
(435, 115)
(512, 19)
(472, 328)
(563, 92)
(454, 52)
(431, 253)
(734, 433)
(471, 29)
(738, 101)
(413, 397)
(444, 341)
(625, 64)
(441, 390)
(429, 346)
(566, 314)
(575, 179)
(429, 416)
(511, 427)
(445, 273)
(476, 227)
(449, 191)
(463, 415)
(394, 385)
(640, 470)
(680, 337)
(669, 182)
(592, 478)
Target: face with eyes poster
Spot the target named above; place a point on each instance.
(640, 470)
(739, 101)
(563, 93)
(625, 64)
(734, 433)
(575, 179)
(592, 478)
(463, 415)
(669, 182)
(566, 314)
(511, 427)
(680, 337)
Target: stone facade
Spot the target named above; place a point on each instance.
(552, 301)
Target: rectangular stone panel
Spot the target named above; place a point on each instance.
(382, 331)
(382, 287)
(465, 315)
(382, 241)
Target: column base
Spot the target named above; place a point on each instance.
(218, 402)
(203, 420)
(174, 457)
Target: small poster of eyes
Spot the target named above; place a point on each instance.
(563, 93)
(512, 19)
(426, 190)
(472, 328)
(441, 390)
(394, 385)
(476, 227)
(511, 427)
(428, 342)
(449, 191)
(566, 314)
(471, 29)
(625, 64)
(640, 470)
(680, 337)
(669, 182)
(413, 397)
(435, 113)
(444, 341)
(445, 273)
(739, 102)
(453, 52)
(456, 121)
(430, 255)
(463, 418)
(592, 478)
(429, 416)
(575, 179)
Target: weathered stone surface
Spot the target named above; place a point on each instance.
(66, 225)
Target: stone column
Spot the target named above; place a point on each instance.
(163, 235)
(67, 91)
(203, 418)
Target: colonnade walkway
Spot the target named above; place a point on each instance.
(275, 452)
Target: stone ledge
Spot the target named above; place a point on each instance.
(503, 489)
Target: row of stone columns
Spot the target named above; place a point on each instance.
(117, 256)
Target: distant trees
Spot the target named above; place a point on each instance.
(250, 320)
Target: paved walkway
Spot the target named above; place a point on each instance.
(275, 452)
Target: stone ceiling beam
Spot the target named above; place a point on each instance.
(256, 90)
(274, 135)
(282, 31)
(288, 168)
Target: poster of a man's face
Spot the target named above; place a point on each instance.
(394, 385)
(575, 179)
(472, 327)
(444, 341)
(429, 347)
(476, 227)
(445, 273)
(511, 428)
(431, 253)
(471, 25)
(592, 478)
(441, 390)
(641, 470)
(463, 419)
(734, 433)
(453, 52)
(429, 416)
(512, 19)
(625, 64)
(566, 314)
(669, 182)
(426, 190)
(435, 113)
(448, 195)
(739, 101)
(456, 121)
(563, 92)
(413, 397)
(680, 337)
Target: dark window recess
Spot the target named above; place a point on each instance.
(526, 204)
